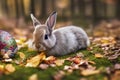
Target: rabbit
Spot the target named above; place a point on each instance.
(60, 41)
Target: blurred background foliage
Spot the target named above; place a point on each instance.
(16, 13)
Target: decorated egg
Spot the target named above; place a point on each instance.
(8, 46)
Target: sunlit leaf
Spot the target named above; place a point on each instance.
(59, 62)
(36, 60)
(1, 68)
(22, 55)
(9, 68)
(33, 77)
(98, 55)
(76, 60)
(88, 72)
(50, 59)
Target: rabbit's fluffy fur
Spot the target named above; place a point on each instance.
(58, 42)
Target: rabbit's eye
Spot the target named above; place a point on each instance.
(46, 36)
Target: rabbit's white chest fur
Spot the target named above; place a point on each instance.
(68, 39)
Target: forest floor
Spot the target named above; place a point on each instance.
(100, 61)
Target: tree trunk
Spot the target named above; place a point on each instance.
(94, 11)
(22, 8)
(81, 6)
(43, 8)
(32, 7)
(118, 9)
(72, 7)
(5, 8)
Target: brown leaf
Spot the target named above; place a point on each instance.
(117, 66)
(112, 57)
(50, 59)
(116, 76)
(76, 60)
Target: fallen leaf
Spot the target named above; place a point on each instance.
(19, 42)
(43, 66)
(1, 68)
(59, 62)
(114, 56)
(76, 60)
(88, 72)
(23, 39)
(98, 55)
(33, 77)
(116, 75)
(91, 62)
(35, 61)
(52, 65)
(21, 55)
(66, 67)
(59, 75)
(9, 68)
(50, 59)
(117, 66)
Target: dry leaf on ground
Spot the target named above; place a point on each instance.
(21, 55)
(35, 61)
(98, 55)
(43, 66)
(59, 75)
(88, 72)
(1, 69)
(50, 59)
(9, 68)
(33, 77)
(59, 62)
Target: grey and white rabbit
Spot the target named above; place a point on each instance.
(60, 41)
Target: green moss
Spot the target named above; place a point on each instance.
(97, 77)
(23, 73)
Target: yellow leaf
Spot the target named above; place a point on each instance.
(19, 42)
(33, 77)
(9, 68)
(98, 55)
(22, 55)
(1, 68)
(23, 39)
(89, 72)
(35, 61)
(59, 62)
(91, 62)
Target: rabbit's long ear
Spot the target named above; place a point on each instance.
(35, 21)
(51, 21)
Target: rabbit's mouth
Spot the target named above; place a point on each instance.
(41, 48)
